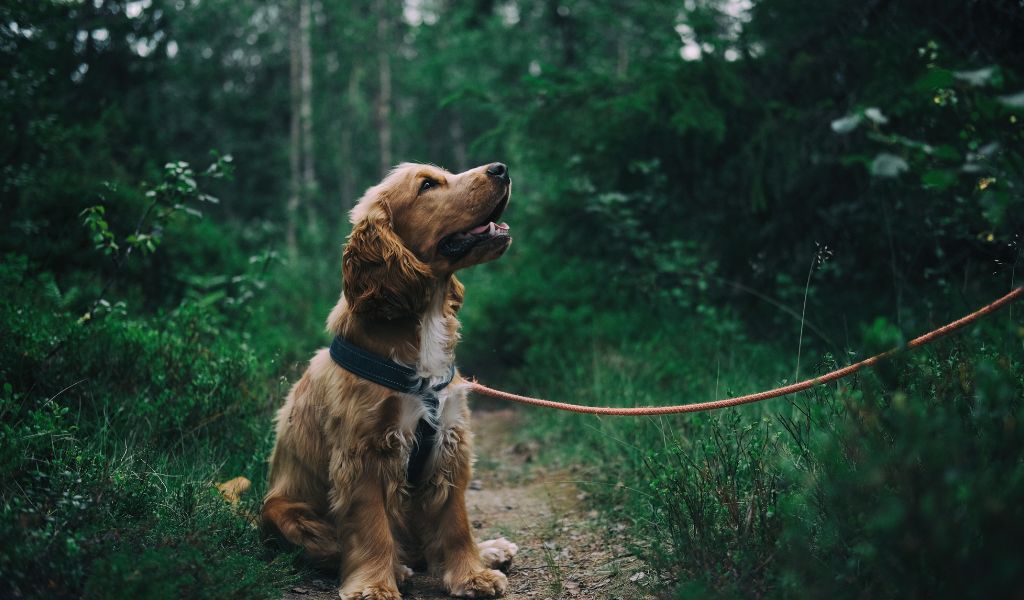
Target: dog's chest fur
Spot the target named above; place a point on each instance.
(438, 333)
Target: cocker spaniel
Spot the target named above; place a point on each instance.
(373, 452)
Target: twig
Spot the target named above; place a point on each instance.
(803, 312)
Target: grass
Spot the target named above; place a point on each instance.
(904, 481)
(113, 432)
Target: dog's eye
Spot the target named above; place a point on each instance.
(427, 184)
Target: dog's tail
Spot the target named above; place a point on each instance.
(301, 526)
(232, 490)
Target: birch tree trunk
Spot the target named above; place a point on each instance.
(381, 8)
(309, 185)
(300, 150)
(346, 155)
(295, 134)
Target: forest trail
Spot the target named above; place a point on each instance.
(562, 551)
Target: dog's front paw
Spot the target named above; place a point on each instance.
(498, 554)
(369, 592)
(485, 583)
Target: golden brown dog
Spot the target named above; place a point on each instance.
(338, 474)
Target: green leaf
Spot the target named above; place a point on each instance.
(846, 124)
(888, 165)
(875, 115)
(1013, 100)
(946, 152)
(936, 78)
(978, 77)
(939, 179)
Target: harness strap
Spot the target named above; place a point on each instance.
(400, 378)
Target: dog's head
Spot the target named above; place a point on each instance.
(419, 225)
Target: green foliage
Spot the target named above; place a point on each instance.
(93, 218)
(912, 487)
(115, 424)
(676, 166)
(902, 482)
(110, 434)
(714, 504)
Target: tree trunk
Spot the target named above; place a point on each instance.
(309, 185)
(294, 142)
(381, 8)
(346, 154)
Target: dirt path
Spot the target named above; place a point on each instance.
(562, 552)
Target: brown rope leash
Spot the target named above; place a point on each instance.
(749, 398)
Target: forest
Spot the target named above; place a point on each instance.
(710, 198)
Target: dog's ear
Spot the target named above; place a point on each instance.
(453, 296)
(382, 278)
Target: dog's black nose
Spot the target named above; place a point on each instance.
(498, 170)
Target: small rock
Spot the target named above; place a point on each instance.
(301, 590)
(572, 587)
(478, 524)
(635, 577)
(476, 484)
(323, 584)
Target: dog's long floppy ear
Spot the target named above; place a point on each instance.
(454, 296)
(382, 278)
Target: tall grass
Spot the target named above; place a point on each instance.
(904, 481)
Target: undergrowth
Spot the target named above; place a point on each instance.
(902, 482)
(123, 401)
(112, 434)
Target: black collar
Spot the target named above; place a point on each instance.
(383, 371)
(400, 378)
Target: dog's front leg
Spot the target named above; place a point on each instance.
(445, 530)
(364, 489)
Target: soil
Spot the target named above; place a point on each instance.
(564, 551)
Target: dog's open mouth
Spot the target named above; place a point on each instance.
(458, 244)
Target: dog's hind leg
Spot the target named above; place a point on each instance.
(301, 526)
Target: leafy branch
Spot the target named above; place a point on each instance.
(174, 194)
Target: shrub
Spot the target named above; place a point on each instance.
(112, 431)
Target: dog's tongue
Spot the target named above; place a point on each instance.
(480, 229)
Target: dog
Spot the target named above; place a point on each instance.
(373, 453)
